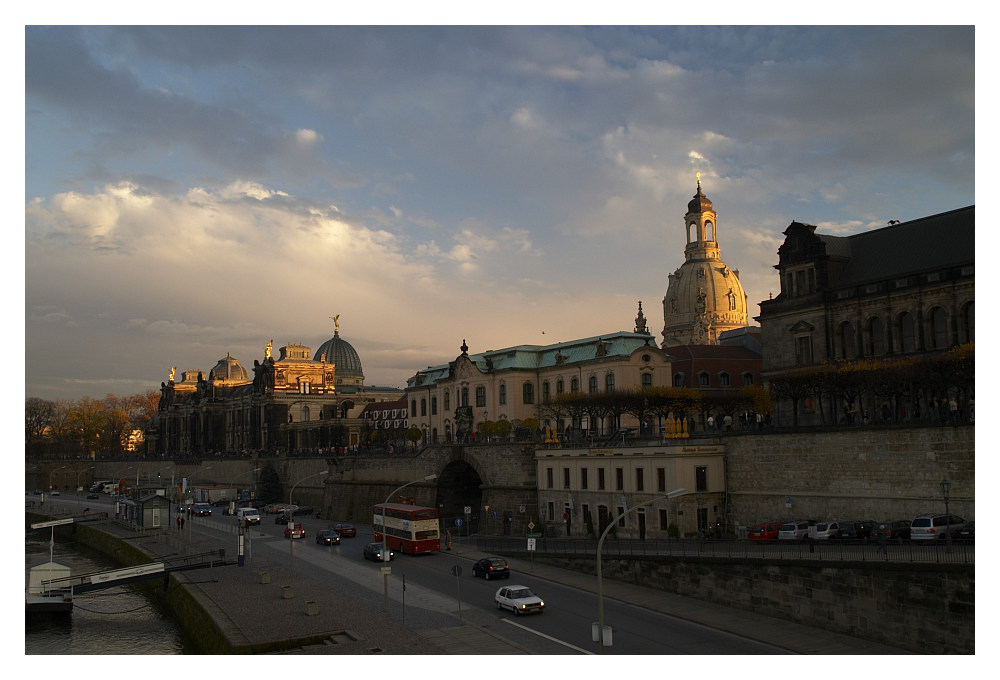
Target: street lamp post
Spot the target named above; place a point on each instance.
(600, 546)
(290, 520)
(385, 545)
(945, 488)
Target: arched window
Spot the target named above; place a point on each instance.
(609, 382)
(876, 337)
(907, 333)
(447, 400)
(709, 233)
(305, 413)
(434, 406)
(848, 348)
(546, 393)
(560, 387)
(748, 379)
(647, 380)
(724, 379)
(678, 380)
(480, 396)
(592, 384)
(574, 385)
(423, 407)
(465, 396)
(968, 322)
(503, 393)
(939, 328)
(703, 380)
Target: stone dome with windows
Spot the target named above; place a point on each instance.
(337, 351)
(229, 371)
(704, 296)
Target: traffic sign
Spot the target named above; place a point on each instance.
(534, 535)
(458, 521)
(531, 525)
(531, 544)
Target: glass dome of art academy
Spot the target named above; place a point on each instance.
(340, 353)
(704, 296)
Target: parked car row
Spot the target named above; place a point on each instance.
(925, 527)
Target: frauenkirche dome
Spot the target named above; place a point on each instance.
(704, 296)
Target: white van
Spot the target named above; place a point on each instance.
(249, 514)
(792, 531)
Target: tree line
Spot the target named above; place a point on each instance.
(86, 427)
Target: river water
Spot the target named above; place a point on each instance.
(118, 620)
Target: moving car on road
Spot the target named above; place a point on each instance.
(519, 599)
(491, 567)
(373, 552)
(294, 531)
(345, 530)
(328, 537)
(201, 510)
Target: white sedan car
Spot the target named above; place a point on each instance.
(519, 599)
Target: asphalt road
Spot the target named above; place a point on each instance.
(423, 593)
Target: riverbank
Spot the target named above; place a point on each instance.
(241, 610)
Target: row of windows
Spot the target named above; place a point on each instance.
(705, 379)
(904, 338)
(527, 392)
(700, 477)
(603, 515)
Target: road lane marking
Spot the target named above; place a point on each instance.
(547, 637)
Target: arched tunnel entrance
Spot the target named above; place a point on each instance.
(459, 486)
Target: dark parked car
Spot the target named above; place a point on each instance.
(373, 552)
(857, 530)
(345, 530)
(302, 510)
(92, 496)
(967, 532)
(896, 530)
(328, 537)
(283, 518)
(491, 567)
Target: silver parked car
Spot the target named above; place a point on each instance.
(931, 527)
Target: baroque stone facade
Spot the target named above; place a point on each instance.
(450, 401)
(296, 403)
(905, 290)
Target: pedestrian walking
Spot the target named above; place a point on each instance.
(178, 521)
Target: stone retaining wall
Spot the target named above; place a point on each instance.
(925, 608)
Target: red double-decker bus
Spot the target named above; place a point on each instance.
(408, 528)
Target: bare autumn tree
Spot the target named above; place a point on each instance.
(38, 417)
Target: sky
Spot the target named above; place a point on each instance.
(193, 191)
